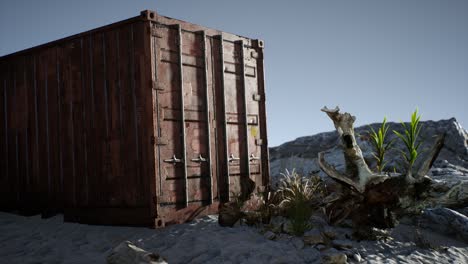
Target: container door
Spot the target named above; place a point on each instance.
(184, 108)
(240, 101)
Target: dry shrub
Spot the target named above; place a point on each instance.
(298, 198)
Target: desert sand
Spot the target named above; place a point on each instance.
(36, 240)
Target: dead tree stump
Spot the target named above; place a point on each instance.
(374, 199)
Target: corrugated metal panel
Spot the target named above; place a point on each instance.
(226, 78)
(110, 159)
(124, 124)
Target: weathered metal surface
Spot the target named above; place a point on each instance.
(125, 124)
(224, 136)
(209, 159)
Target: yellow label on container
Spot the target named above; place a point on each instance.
(254, 131)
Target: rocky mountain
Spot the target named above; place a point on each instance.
(301, 154)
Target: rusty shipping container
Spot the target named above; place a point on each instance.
(148, 121)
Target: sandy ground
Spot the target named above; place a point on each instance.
(36, 240)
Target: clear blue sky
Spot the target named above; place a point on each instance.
(373, 58)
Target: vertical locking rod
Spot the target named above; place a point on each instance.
(225, 129)
(208, 121)
(246, 117)
(259, 47)
(182, 113)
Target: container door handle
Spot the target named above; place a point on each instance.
(174, 160)
(252, 157)
(232, 158)
(199, 159)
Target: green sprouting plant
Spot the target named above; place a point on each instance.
(378, 140)
(410, 138)
(297, 195)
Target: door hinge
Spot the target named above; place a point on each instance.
(258, 141)
(257, 97)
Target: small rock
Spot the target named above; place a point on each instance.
(342, 244)
(343, 233)
(371, 234)
(283, 237)
(357, 257)
(279, 224)
(381, 232)
(127, 253)
(444, 163)
(297, 242)
(269, 235)
(318, 220)
(313, 237)
(353, 254)
(330, 232)
(333, 256)
(320, 247)
(310, 254)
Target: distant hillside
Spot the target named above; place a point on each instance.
(301, 153)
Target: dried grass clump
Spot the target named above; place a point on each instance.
(298, 198)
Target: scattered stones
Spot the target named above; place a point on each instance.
(269, 235)
(320, 247)
(310, 255)
(313, 237)
(343, 233)
(371, 234)
(318, 220)
(353, 254)
(330, 232)
(357, 257)
(280, 224)
(333, 256)
(297, 242)
(342, 244)
(127, 253)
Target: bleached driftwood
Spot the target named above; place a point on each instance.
(358, 174)
(374, 196)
